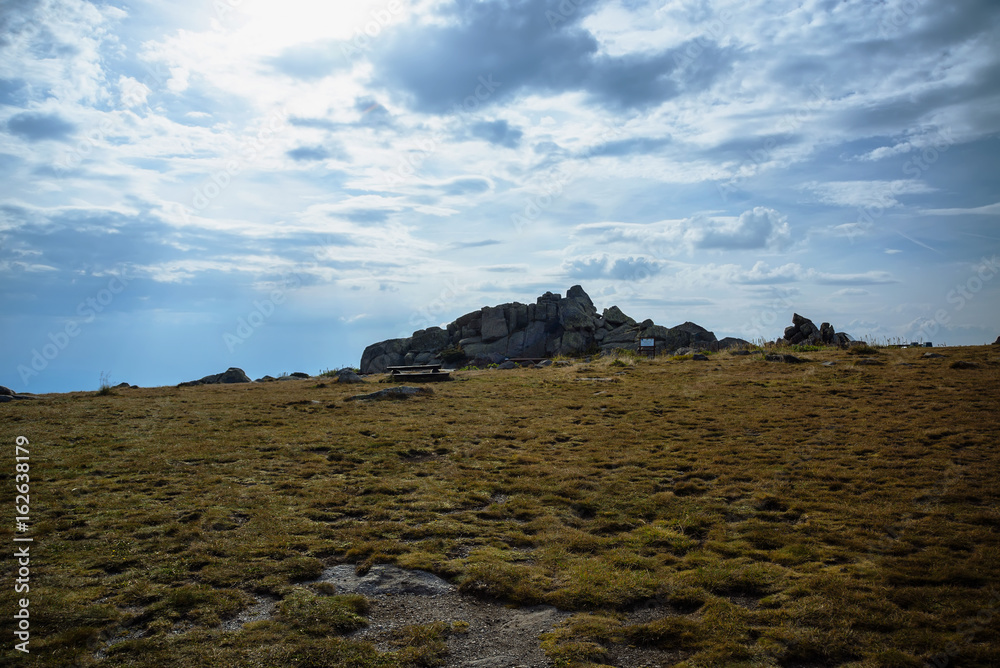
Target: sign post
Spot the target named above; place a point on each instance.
(647, 346)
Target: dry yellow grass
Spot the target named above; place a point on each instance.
(731, 512)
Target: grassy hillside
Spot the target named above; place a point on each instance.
(728, 512)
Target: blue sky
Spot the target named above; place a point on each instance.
(190, 186)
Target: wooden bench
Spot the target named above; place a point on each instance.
(415, 367)
(418, 373)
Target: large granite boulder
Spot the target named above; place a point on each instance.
(553, 325)
(494, 324)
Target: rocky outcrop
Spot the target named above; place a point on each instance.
(230, 375)
(997, 342)
(553, 325)
(803, 331)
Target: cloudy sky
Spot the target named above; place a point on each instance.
(195, 185)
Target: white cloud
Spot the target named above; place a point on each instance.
(131, 92)
(758, 228)
(862, 194)
(883, 152)
(988, 210)
(178, 81)
(606, 266)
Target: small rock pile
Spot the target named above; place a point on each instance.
(804, 331)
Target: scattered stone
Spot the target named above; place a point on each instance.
(962, 364)
(507, 365)
(348, 376)
(401, 392)
(929, 356)
(125, 386)
(543, 364)
(4, 398)
(740, 353)
(787, 359)
(700, 358)
(231, 375)
(299, 375)
(6, 391)
(829, 364)
(385, 580)
(868, 361)
(266, 379)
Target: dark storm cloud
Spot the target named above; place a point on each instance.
(35, 126)
(468, 60)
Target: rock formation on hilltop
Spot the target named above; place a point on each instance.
(804, 331)
(553, 325)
